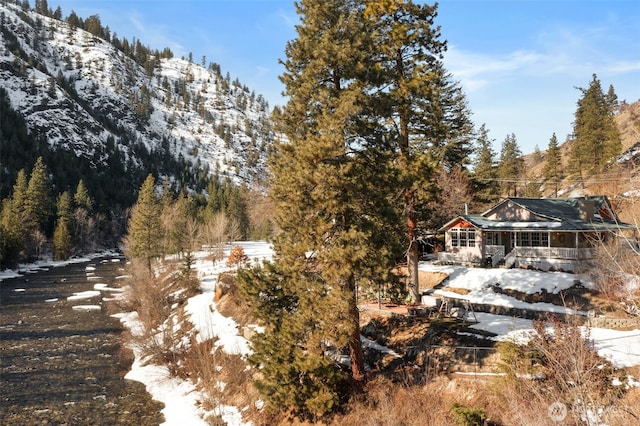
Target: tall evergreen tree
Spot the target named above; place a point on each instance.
(511, 165)
(596, 136)
(81, 197)
(371, 113)
(486, 188)
(38, 200)
(328, 209)
(553, 163)
(424, 115)
(62, 242)
(12, 223)
(83, 222)
(18, 206)
(144, 236)
(612, 99)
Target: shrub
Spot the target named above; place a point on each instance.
(468, 416)
(237, 256)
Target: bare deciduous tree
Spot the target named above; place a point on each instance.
(616, 267)
(214, 235)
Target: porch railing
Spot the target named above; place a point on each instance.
(555, 252)
(496, 253)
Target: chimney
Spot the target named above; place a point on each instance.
(586, 209)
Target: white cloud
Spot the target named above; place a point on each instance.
(155, 36)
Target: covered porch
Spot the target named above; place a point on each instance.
(537, 249)
(544, 250)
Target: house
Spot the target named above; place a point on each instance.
(539, 233)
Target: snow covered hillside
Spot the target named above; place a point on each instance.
(84, 94)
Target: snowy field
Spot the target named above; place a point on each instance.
(621, 348)
(478, 282)
(181, 398)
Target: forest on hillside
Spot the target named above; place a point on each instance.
(111, 169)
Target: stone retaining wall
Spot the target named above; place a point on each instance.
(616, 323)
(599, 322)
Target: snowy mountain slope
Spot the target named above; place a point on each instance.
(83, 93)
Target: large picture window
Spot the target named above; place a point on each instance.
(463, 237)
(533, 239)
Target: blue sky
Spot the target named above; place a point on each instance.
(518, 61)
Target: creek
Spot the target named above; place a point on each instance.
(62, 358)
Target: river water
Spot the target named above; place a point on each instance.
(61, 365)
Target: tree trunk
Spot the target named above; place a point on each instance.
(355, 345)
(412, 250)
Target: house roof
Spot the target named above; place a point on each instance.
(561, 208)
(558, 214)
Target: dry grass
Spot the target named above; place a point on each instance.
(158, 300)
(427, 280)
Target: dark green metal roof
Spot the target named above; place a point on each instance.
(563, 208)
(559, 214)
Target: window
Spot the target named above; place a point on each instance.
(545, 239)
(462, 237)
(533, 239)
(471, 237)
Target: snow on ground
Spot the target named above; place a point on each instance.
(478, 282)
(84, 295)
(621, 348)
(212, 324)
(179, 396)
(42, 265)
(522, 280)
(506, 328)
(206, 319)
(368, 343)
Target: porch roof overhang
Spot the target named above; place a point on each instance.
(482, 223)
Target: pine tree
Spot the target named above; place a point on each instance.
(597, 139)
(511, 165)
(486, 188)
(83, 222)
(144, 236)
(329, 211)
(11, 239)
(37, 199)
(425, 114)
(81, 197)
(553, 164)
(62, 233)
(13, 222)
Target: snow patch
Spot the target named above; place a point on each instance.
(84, 295)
